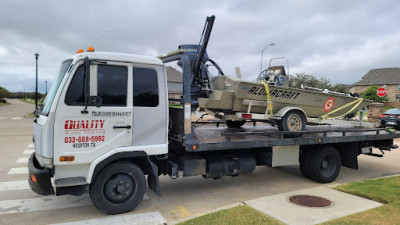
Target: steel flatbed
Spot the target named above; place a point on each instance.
(209, 138)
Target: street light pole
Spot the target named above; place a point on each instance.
(36, 92)
(46, 86)
(274, 59)
(262, 52)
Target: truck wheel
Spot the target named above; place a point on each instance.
(324, 164)
(304, 158)
(118, 188)
(292, 121)
(235, 123)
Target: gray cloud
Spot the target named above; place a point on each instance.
(337, 40)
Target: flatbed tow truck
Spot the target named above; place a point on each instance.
(106, 125)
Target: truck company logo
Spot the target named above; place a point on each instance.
(83, 124)
(274, 93)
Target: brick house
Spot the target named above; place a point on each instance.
(388, 78)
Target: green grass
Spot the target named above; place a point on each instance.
(1, 103)
(28, 100)
(384, 190)
(239, 215)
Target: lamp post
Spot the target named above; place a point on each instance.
(36, 92)
(274, 59)
(262, 52)
(46, 86)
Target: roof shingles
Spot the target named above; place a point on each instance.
(380, 77)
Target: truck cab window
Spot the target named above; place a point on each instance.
(145, 87)
(75, 94)
(112, 83)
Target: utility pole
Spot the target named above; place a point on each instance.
(36, 92)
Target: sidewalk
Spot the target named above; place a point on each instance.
(280, 208)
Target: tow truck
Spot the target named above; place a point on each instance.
(106, 127)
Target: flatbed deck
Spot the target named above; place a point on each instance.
(222, 138)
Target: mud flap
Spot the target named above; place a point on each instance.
(349, 153)
(153, 180)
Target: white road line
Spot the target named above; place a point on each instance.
(28, 152)
(16, 118)
(43, 203)
(30, 146)
(19, 170)
(142, 218)
(2, 118)
(14, 185)
(22, 160)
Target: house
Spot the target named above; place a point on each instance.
(174, 82)
(389, 78)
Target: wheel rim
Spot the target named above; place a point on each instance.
(119, 188)
(294, 122)
(328, 166)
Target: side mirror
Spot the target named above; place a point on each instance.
(96, 101)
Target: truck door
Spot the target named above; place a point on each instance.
(87, 134)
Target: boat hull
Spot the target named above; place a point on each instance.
(234, 95)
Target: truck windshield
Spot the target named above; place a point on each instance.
(44, 110)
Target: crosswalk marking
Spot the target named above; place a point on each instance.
(28, 152)
(18, 170)
(14, 185)
(142, 218)
(22, 160)
(30, 146)
(43, 203)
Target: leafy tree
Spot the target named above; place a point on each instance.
(371, 94)
(4, 93)
(300, 79)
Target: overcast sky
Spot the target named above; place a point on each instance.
(338, 40)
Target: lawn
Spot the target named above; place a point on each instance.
(384, 190)
(28, 100)
(239, 215)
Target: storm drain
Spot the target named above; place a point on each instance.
(309, 201)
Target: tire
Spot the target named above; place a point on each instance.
(234, 123)
(304, 158)
(118, 188)
(292, 121)
(324, 164)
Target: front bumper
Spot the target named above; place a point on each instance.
(39, 177)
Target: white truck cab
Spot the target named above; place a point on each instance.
(102, 106)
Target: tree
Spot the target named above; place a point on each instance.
(371, 94)
(300, 79)
(4, 93)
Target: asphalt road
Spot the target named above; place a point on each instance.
(181, 198)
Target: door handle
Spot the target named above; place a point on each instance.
(126, 127)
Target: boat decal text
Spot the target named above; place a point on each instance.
(274, 93)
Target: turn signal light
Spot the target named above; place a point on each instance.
(381, 115)
(68, 158)
(33, 178)
(79, 51)
(90, 49)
